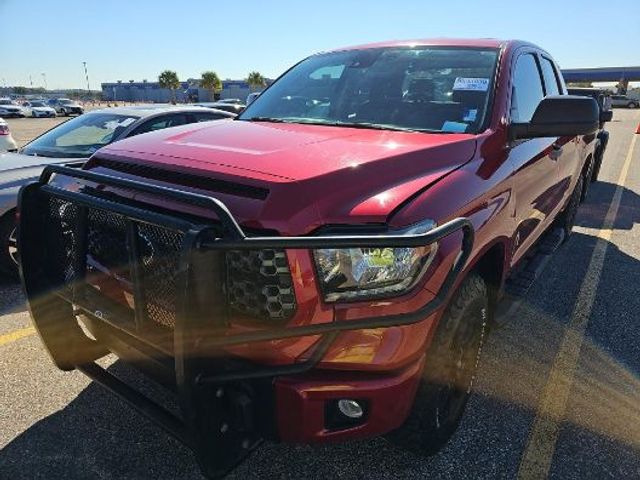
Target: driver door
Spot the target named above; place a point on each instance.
(534, 161)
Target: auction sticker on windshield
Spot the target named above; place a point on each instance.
(474, 84)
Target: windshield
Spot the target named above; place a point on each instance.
(37, 104)
(65, 101)
(80, 137)
(7, 102)
(430, 89)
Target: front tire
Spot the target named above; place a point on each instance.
(632, 105)
(450, 368)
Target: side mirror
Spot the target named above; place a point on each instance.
(606, 116)
(560, 116)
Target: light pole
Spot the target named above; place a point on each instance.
(86, 74)
(44, 78)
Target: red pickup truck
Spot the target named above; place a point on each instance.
(324, 267)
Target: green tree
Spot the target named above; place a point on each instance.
(211, 82)
(256, 80)
(169, 79)
(20, 90)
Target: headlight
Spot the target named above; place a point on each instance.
(366, 273)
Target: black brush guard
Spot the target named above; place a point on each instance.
(214, 390)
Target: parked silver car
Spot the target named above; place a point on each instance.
(624, 101)
(74, 142)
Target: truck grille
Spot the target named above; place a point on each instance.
(259, 283)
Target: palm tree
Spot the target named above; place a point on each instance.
(169, 79)
(211, 82)
(256, 80)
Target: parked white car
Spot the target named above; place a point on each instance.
(6, 140)
(37, 108)
(9, 108)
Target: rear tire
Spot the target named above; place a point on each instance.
(566, 220)
(597, 164)
(588, 176)
(450, 367)
(632, 105)
(8, 251)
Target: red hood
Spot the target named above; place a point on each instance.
(314, 174)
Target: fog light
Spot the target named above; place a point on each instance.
(350, 408)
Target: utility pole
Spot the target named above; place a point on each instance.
(30, 81)
(44, 78)
(86, 74)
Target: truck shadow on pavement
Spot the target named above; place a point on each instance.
(98, 436)
(592, 213)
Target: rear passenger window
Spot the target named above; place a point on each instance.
(527, 89)
(205, 116)
(159, 123)
(550, 79)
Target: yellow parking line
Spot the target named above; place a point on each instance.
(538, 454)
(16, 335)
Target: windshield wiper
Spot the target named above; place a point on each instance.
(266, 119)
(368, 125)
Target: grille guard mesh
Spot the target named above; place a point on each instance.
(57, 283)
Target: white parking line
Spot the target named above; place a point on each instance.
(538, 454)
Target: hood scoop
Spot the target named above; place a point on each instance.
(178, 177)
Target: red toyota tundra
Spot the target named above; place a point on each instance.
(324, 267)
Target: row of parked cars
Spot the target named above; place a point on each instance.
(40, 108)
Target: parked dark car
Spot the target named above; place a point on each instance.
(75, 141)
(325, 267)
(603, 97)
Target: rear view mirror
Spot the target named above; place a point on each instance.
(606, 116)
(560, 116)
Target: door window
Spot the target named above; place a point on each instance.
(527, 89)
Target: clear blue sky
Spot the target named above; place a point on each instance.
(136, 39)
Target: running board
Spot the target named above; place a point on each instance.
(517, 286)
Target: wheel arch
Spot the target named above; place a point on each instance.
(490, 265)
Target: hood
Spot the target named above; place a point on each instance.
(42, 109)
(309, 175)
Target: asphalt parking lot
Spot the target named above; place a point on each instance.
(558, 393)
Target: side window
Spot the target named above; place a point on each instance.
(550, 79)
(205, 117)
(159, 123)
(527, 89)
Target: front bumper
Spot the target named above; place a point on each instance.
(227, 403)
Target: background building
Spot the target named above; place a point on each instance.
(190, 90)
